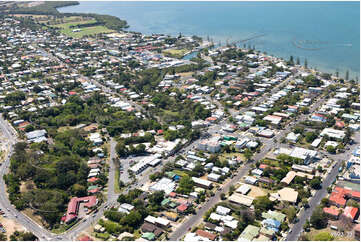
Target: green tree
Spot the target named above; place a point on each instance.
(310, 137)
(319, 218)
(247, 154)
(291, 213)
(331, 149)
(315, 183)
(186, 185)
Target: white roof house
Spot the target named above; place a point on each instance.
(164, 184)
(222, 210)
(244, 189)
(333, 133)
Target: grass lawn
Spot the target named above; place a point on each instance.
(116, 181)
(175, 53)
(271, 162)
(226, 156)
(180, 173)
(65, 29)
(338, 236)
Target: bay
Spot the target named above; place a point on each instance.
(327, 34)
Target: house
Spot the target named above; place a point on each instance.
(202, 183)
(222, 210)
(241, 199)
(73, 207)
(340, 195)
(206, 234)
(249, 233)
(350, 213)
(274, 215)
(182, 208)
(285, 194)
(306, 155)
(292, 137)
(289, 177)
(250, 180)
(148, 236)
(36, 136)
(333, 133)
(214, 177)
(165, 184)
(333, 213)
(275, 120)
(271, 224)
(171, 216)
(318, 118)
(244, 189)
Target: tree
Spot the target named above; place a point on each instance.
(315, 183)
(310, 137)
(223, 196)
(290, 62)
(186, 185)
(263, 203)
(307, 225)
(331, 149)
(3, 237)
(319, 219)
(291, 213)
(121, 149)
(247, 154)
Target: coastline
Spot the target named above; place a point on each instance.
(322, 60)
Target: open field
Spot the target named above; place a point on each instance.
(338, 236)
(175, 53)
(91, 30)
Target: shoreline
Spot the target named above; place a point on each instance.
(320, 66)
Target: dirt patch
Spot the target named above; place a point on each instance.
(256, 192)
(36, 218)
(27, 186)
(10, 226)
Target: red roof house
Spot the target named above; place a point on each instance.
(182, 208)
(206, 234)
(350, 212)
(340, 195)
(85, 238)
(73, 206)
(93, 179)
(332, 212)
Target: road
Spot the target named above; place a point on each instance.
(111, 179)
(9, 132)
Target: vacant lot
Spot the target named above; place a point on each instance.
(10, 226)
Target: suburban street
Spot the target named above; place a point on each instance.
(316, 199)
(267, 146)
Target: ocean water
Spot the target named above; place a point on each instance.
(327, 34)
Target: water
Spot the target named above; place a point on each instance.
(326, 33)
